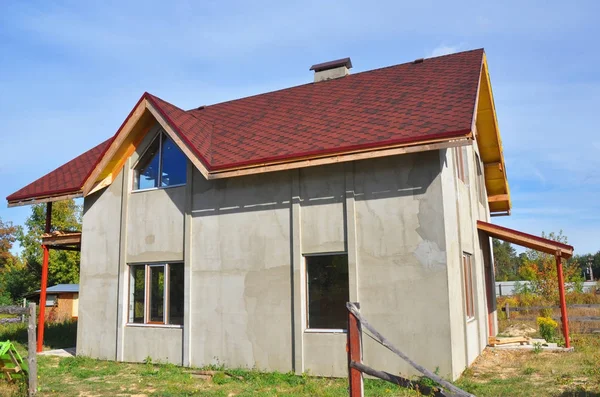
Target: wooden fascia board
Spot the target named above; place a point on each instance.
(69, 196)
(114, 146)
(485, 77)
(525, 241)
(344, 157)
(178, 141)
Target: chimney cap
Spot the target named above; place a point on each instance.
(332, 65)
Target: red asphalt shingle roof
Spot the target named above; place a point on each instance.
(405, 103)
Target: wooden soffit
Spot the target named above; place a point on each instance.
(490, 147)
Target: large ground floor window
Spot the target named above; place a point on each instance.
(328, 291)
(156, 293)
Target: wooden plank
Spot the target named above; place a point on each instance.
(453, 390)
(354, 346)
(530, 308)
(398, 380)
(496, 165)
(124, 131)
(13, 310)
(498, 198)
(582, 319)
(48, 199)
(526, 240)
(339, 158)
(180, 144)
(31, 351)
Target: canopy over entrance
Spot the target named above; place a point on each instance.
(559, 250)
(526, 240)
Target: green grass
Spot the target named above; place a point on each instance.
(495, 373)
(75, 376)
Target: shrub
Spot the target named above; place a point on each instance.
(547, 328)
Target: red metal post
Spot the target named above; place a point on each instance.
(40, 336)
(563, 303)
(354, 349)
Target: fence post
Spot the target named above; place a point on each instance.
(354, 348)
(507, 310)
(32, 351)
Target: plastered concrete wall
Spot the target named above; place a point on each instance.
(161, 344)
(402, 275)
(98, 277)
(462, 209)
(155, 225)
(249, 235)
(243, 241)
(241, 274)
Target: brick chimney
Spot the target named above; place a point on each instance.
(332, 69)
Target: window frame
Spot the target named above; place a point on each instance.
(481, 189)
(468, 283)
(461, 164)
(307, 328)
(147, 291)
(135, 175)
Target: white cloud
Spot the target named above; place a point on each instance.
(444, 50)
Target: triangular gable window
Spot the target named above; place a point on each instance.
(162, 165)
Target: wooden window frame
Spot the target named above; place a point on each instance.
(147, 290)
(481, 193)
(467, 261)
(462, 166)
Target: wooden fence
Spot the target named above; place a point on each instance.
(507, 309)
(356, 368)
(29, 312)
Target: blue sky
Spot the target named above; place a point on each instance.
(70, 72)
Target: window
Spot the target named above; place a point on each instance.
(480, 181)
(162, 165)
(462, 169)
(156, 294)
(468, 275)
(51, 300)
(328, 291)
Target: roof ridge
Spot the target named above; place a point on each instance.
(350, 76)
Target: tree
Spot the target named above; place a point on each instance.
(8, 235)
(506, 261)
(583, 261)
(63, 266)
(540, 267)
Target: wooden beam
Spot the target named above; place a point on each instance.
(340, 158)
(498, 197)
(49, 199)
(114, 146)
(525, 240)
(178, 141)
(495, 165)
(62, 239)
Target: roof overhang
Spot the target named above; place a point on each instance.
(526, 240)
(489, 142)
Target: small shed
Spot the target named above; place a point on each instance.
(62, 302)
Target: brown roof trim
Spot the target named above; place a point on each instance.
(526, 240)
(332, 64)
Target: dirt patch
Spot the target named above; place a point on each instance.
(519, 330)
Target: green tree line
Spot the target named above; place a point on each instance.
(527, 265)
(20, 274)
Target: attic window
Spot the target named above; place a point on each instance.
(162, 165)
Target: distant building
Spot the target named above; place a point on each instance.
(62, 302)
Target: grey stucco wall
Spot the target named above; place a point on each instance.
(245, 273)
(163, 345)
(98, 277)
